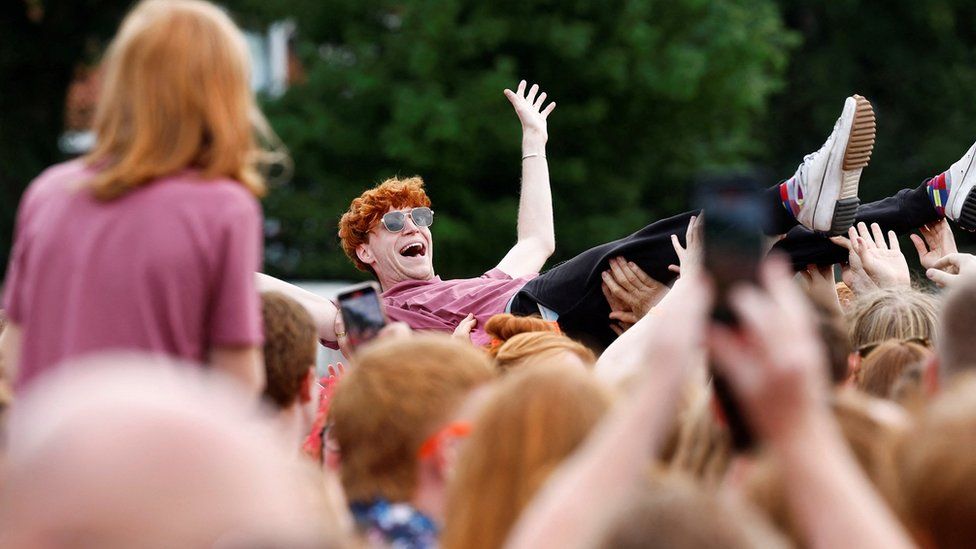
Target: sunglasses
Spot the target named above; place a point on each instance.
(421, 217)
(865, 350)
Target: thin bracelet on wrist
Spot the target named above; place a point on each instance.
(530, 155)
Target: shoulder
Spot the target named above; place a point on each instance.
(54, 181)
(220, 197)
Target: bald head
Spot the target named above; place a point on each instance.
(137, 454)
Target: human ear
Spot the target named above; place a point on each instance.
(365, 254)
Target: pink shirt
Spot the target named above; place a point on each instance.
(168, 268)
(441, 305)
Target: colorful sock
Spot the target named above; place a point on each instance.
(938, 191)
(792, 196)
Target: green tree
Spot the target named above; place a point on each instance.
(649, 93)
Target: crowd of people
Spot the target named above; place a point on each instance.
(158, 390)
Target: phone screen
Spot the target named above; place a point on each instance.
(362, 313)
(734, 217)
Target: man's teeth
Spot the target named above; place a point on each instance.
(414, 249)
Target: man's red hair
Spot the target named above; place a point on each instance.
(367, 210)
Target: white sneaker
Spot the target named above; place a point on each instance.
(823, 192)
(961, 204)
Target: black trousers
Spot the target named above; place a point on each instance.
(573, 288)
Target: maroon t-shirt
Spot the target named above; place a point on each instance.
(441, 305)
(168, 268)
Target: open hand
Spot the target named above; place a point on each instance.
(528, 107)
(691, 255)
(869, 253)
(938, 242)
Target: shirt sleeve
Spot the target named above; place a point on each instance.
(13, 290)
(235, 304)
(497, 273)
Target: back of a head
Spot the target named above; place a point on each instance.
(673, 513)
(517, 341)
(533, 420)
(956, 344)
(399, 393)
(504, 326)
(891, 365)
(937, 470)
(175, 95)
(892, 314)
(290, 345)
(132, 452)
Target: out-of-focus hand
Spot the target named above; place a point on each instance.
(948, 270)
(936, 242)
(775, 364)
(821, 285)
(463, 330)
(342, 340)
(869, 253)
(691, 255)
(395, 330)
(336, 371)
(528, 107)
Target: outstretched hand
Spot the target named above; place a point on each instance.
(532, 115)
(776, 365)
(947, 271)
(871, 256)
(691, 255)
(938, 242)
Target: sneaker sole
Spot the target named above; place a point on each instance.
(857, 155)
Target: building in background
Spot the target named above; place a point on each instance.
(274, 65)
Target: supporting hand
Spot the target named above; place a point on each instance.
(948, 270)
(938, 242)
(871, 255)
(691, 255)
(630, 292)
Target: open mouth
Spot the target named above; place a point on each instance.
(414, 249)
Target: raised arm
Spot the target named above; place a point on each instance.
(323, 311)
(536, 235)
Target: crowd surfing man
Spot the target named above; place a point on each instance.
(386, 232)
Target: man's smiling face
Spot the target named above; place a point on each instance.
(399, 256)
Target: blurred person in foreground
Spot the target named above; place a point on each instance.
(137, 452)
(533, 419)
(290, 347)
(397, 418)
(150, 242)
(519, 341)
(776, 367)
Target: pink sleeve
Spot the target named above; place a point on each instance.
(497, 273)
(235, 305)
(13, 283)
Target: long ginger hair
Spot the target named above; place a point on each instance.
(176, 95)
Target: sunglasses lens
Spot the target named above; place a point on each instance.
(422, 217)
(393, 221)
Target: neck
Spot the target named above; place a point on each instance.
(293, 424)
(429, 500)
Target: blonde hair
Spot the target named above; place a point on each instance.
(533, 420)
(892, 314)
(176, 95)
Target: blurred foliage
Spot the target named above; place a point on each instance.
(649, 92)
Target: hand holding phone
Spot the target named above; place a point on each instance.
(362, 312)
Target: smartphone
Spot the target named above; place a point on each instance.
(362, 312)
(734, 216)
